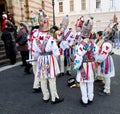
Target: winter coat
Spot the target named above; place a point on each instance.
(9, 42)
(20, 33)
(3, 24)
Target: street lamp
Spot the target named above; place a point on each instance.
(53, 3)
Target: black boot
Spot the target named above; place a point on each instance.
(68, 73)
(60, 75)
(37, 90)
(102, 93)
(27, 68)
(83, 104)
(90, 102)
(46, 101)
(57, 101)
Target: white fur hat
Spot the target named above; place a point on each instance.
(25, 24)
(4, 15)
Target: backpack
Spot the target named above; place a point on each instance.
(23, 39)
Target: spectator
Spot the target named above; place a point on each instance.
(23, 48)
(4, 16)
(9, 42)
(10, 17)
(24, 31)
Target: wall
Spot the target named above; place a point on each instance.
(102, 16)
(20, 9)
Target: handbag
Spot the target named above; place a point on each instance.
(23, 40)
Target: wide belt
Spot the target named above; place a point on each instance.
(46, 53)
(86, 61)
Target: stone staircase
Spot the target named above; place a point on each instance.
(3, 60)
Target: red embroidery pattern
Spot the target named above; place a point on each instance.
(104, 53)
(107, 47)
(81, 49)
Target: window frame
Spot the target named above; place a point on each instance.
(83, 4)
(98, 4)
(71, 5)
(112, 3)
(60, 7)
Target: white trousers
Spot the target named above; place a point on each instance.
(87, 91)
(52, 86)
(36, 83)
(107, 84)
(62, 64)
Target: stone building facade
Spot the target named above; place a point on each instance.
(20, 9)
(103, 11)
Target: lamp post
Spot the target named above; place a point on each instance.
(53, 3)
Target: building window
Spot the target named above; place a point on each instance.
(98, 4)
(60, 6)
(83, 4)
(112, 3)
(43, 5)
(71, 5)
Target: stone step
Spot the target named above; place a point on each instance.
(6, 61)
(3, 59)
(2, 52)
(2, 47)
(1, 43)
(2, 56)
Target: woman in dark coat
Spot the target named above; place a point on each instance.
(23, 48)
(9, 42)
(23, 30)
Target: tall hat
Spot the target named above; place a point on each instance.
(25, 25)
(110, 31)
(65, 22)
(87, 28)
(79, 24)
(43, 20)
(4, 15)
(63, 27)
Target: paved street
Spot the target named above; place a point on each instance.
(116, 51)
(16, 95)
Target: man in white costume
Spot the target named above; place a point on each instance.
(66, 39)
(99, 41)
(47, 51)
(33, 60)
(84, 60)
(105, 61)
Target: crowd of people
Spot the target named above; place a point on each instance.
(55, 54)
